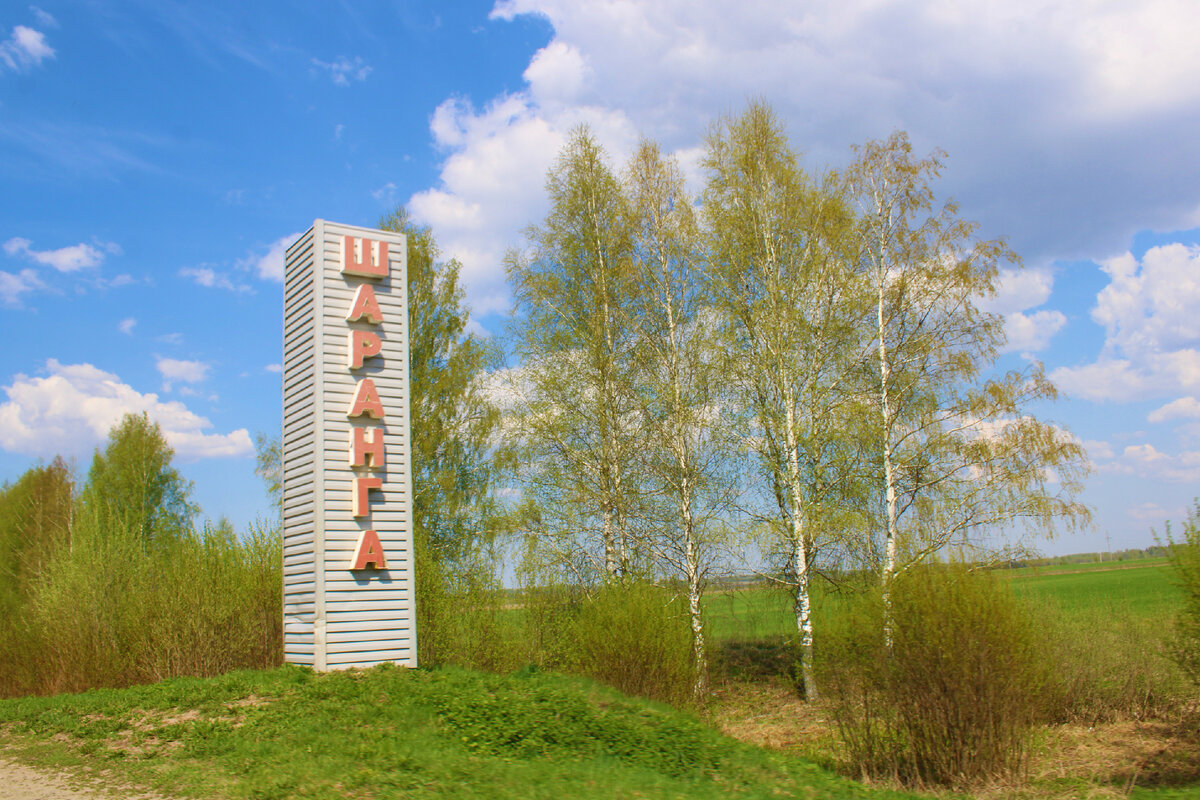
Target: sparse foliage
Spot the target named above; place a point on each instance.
(680, 392)
(781, 280)
(575, 412)
(956, 452)
(1185, 559)
(955, 694)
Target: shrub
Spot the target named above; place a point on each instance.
(1185, 558)
(956, 695)
(459, 614)
(635, 637)
(115, 610)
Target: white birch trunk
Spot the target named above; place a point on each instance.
(803, 606)
(889, 560)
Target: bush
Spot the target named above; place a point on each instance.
(635, 637)
(114, 610)
(458, 614)
(1185, 558)
(955, 697)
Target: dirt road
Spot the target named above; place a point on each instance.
(18, 782)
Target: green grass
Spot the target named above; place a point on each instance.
(1139, 591)
(392, 733)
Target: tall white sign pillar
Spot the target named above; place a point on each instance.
(347, 495)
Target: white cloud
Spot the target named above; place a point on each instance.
(1183, 408)
(270, 266)
(1148, 462)
(1151, 307)
(276, 368)
(343, 70)
(174, 369)
(1028, 333)
(15, 284)
(65, 259)
(212, 279)
(24, 49)
(44, 17)
(71, 410)
(126, 326)
(1061, 120)
(556, 73)
(1148, 512)
(385, 193)
(1152, 329)
(1098, 450)
(1019, 290)
(491, 183)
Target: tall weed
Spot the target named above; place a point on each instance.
(636, 637)
(1185, 559)
(955, 697)
(113, 609)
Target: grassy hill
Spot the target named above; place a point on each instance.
(392, 733)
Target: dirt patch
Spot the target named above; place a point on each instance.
(772, 715)
(1072, 761)
(1149, 754)
(26, 783)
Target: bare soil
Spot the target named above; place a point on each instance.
(19, 782)
(1072, 761)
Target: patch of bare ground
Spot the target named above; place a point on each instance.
(21, 782)
(771, 714)
(1070, 762)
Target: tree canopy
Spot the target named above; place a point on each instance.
(133, 483)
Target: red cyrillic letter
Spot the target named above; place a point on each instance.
(366, 452)
(361, 344)
(362, 266)
(361, 501)
(366, 401)
(368, 551)
(365, 306)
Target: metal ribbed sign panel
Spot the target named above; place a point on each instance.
(347, 497)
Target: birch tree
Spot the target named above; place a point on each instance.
(679, 378)
(780, 276)
(576, 411)
(957, 449)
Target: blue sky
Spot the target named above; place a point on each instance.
(156, 157)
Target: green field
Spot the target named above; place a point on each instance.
(1131, 589)
(1142, 591)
